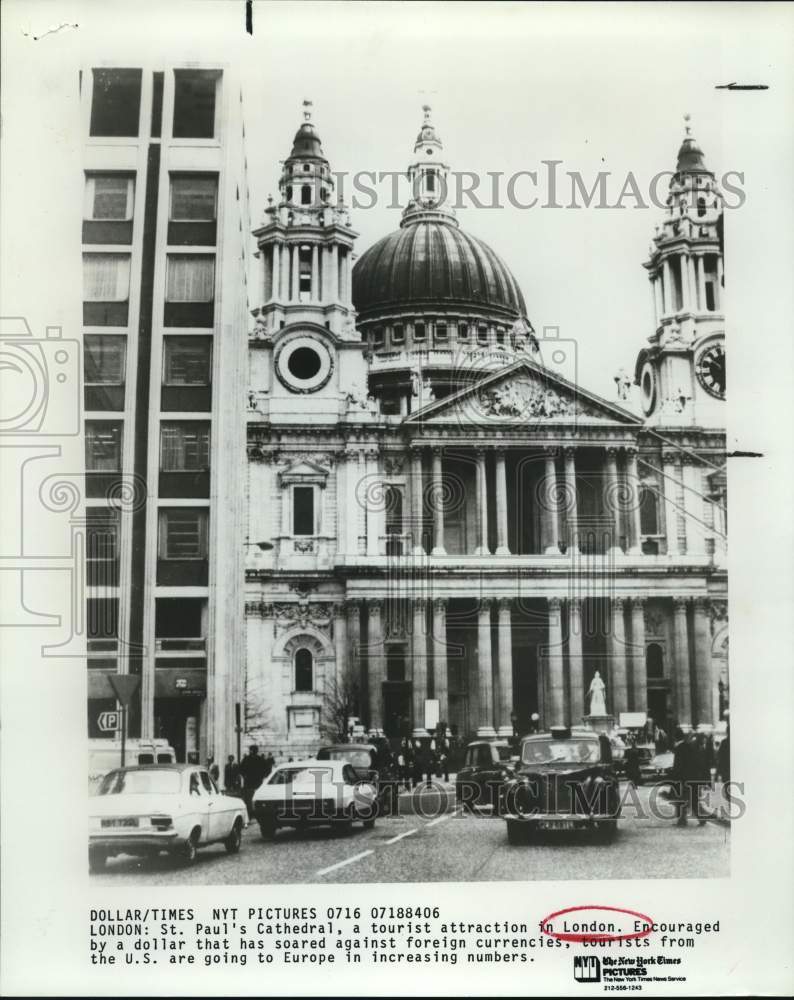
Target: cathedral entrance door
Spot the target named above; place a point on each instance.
(397, 708)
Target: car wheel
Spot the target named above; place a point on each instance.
(517, 832)
(189, 849)
(233, 841)
(96, 860)
(606, 830)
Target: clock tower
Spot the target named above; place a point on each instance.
(681, 374)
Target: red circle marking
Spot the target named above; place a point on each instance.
(578, 938)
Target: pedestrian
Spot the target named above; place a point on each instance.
(687, 772)
(632, 759)
(214, 770)
(270, 763)
(231, 776)
(442, 756)
(252, 771)
(724, 759)
(406, 763)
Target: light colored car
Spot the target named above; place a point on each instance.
(324, 792)
(161, 807)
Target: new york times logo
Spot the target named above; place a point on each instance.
(587, 969)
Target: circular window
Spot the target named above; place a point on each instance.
(304, 363)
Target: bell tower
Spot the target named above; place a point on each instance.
(306, 244)
(428, 172)
(681, 374)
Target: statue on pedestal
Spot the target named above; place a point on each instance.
(598, 705)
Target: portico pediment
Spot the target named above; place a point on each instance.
(522, 393)
(303, 473)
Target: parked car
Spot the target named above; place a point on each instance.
(370, 763)
(660, 768)
(143, 810)
(486, 765)
(327, 792)
(565, 780)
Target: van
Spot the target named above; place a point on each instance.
(104, 755)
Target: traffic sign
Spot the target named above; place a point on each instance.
(124, 686)
(108, 722)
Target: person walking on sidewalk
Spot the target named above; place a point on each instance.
(252, 771)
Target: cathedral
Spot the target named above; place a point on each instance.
(443, 525)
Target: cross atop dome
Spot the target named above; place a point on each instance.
(307, 110)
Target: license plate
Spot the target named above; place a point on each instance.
(556, 824)
(125, 821)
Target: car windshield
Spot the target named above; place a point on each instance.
(308, 775)
(152, 782)
(358, 758)
(561, 751)
(505, 753)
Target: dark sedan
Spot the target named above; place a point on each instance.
(565, 780)
(486, 765)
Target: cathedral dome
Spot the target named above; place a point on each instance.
(430, 263)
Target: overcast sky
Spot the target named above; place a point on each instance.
(599, 87)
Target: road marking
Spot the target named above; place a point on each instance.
(405, 833)
(341, 864)
(442, 818)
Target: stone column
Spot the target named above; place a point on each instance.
(353, 636)
(417, 501)
(294, 268)
(683, 695)
(502, 548)
(633, 476)
(482, 506)
(683, 267)
(612, 498)
(556, 688)
(620, 689)
(671, 470)
(349, 281)
(504, 633)
(440, 665)
(374, 502)
(575, 672)
(342, 473)
(669, 305)
(704, 701)
(656, 284)
(283, 289)
(718, 285)
(315, 273)
(376, 673)
(639, 676)
(340, 646)
(693, 284)
(572, 500)
(419, 658)
(550, 513)
(275, 272)
(485, 669)
(333, 285)
(438, 504)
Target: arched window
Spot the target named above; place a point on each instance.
(289, 192)
(701, 207)
(306, 195)
(304, 670)
(649, 513)
(654, 661)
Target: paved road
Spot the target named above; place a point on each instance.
(442, 846)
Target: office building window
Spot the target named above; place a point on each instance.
(103, 446)
(303, 510)
(185, 447)
(194, 103)
(102, 624)
(106, 277)
(104, 368)
(183, 533)
(194, 197)
(109, 197)
(191, 278)
(116, 102)
(304, 670)
(187, 360)
(102, 546)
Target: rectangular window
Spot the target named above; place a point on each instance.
(104, 359)
(106, 277)
(109, 197)
(194, 197)
(398, 334)
(187, 361)
(482, 334)
(102, 546)
(191, 278)
(463, 330)
(183, 533)
(103, 446)
(116, 102)
(419, 331)
(194, 103)
(377, 336)
(157, 104)
(185, 447)
(179, 617)
(102, 623)
(303, 510)
(441, 331)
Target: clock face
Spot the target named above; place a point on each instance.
(710, 370)
(648, 388)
